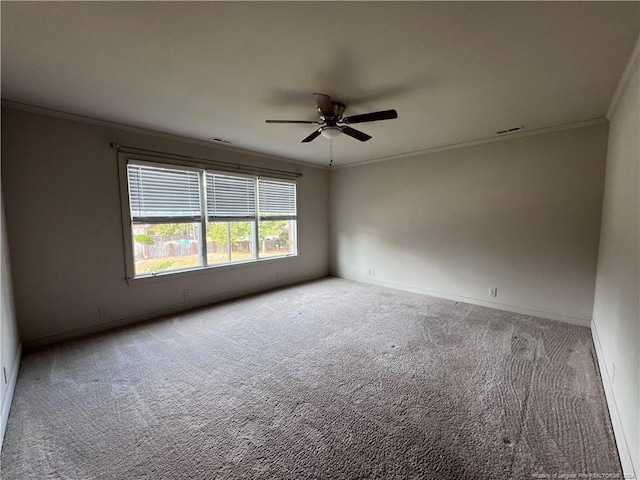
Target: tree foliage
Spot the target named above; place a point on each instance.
(275, 229)
(241, 231)
(238, 231)
(221, 232)
(144, 239)
(171, 229)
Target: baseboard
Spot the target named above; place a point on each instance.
(8, 396)
(583, 322)
(171, 310)
(618, 430)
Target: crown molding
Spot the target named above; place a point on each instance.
(143, 131)
(625, 79)
(481, 141)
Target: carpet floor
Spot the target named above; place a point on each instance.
(330, 379)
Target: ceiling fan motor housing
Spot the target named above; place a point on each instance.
(338, 110)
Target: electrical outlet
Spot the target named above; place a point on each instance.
(102, 312)
(369, 272)
(277, 276)
(185, 294)
(373, 272)
(493, 292)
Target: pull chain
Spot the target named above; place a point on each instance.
(331, 151)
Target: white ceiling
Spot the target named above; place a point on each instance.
(454, 71)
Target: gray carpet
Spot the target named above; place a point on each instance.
(327, 380)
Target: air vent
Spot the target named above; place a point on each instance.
(219, 140)
(510, 130)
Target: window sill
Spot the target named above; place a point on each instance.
(179, 274)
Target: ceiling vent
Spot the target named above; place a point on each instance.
(219, 140)
(509, 130)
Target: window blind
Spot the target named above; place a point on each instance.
(162, 192)
(230, 197)
(277, 199)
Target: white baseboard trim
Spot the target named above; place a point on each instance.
(171, 310)
(8, 396)
(621, 442)
(583, 322)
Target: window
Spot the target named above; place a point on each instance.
(185, 218)
(231, 218)
(277, 207)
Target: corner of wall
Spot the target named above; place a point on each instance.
(616, 421)
(10, 346)
(615, 311)
(8, 396)
(625, 79)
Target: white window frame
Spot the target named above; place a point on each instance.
(202, 170)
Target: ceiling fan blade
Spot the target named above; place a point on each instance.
(312, 136)
(324, 104)
(306, 122)
(357, 134)
(371, 117)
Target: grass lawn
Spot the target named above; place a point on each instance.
(166, 264)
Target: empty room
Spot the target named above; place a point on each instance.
(320, 240)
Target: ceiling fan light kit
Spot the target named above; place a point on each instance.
(330, 132)
(333, 123)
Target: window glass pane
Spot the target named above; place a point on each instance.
(277, 237)
(229, 242)
(165, 247)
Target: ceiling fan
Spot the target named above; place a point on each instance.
(333, 123)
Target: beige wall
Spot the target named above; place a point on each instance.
(9, 340)
(522, 215)
(60, 181)
(616, 313)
